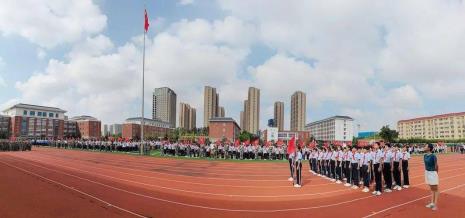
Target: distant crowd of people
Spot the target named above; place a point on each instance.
(6, 145)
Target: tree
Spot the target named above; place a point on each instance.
(387, 134)
(244, 136)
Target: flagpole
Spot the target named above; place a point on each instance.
(142, 123)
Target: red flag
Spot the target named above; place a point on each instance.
(291, 146)
(146, 23)
(237, 142)
(201, 140)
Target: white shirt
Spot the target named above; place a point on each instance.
(397, 156)
(405, 155)
(388, 156)
(366, 158)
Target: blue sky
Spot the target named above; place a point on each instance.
(375, 61)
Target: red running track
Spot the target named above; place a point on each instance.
(49, 182)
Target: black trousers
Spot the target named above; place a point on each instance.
(387, 175)
(396, 173)
(328, 168)
(339, 170)
(291, 167)
(405, 172)
(347, 171)
(355, 174)
(365, 175)
(320, 167)
(332, 165)
(299, 172)
(378, 186)
(310, 164)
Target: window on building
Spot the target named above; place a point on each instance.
(32, 113)
(56, 115)
(39, 114)
(25, 112)
(50, 114)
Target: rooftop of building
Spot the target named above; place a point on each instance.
(221, 119)
(84, 118)
(35, 107)
(433, 117)
(331, 118)
(138, 119)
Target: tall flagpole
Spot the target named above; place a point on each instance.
(142, 123)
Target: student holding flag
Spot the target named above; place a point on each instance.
(291, 156)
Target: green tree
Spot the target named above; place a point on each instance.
(388, 134)
(244, 136)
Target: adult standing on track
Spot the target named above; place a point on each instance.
(431, 175)
(377, 168)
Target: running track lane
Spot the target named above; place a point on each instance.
(312, 210)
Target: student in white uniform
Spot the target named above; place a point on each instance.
(298, 167)
(365, 162)
(339, 161)
(291, 165)
(377, 168)
(397, 158)
(405, 173)
(347, 167)
(354, 168)
(387, 168)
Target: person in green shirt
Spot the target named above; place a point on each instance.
(431, 175)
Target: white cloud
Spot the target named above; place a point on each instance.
(41, 53)
(102, 80)
(185, 2)
(49, 23)
(376, 61)
(359, 48)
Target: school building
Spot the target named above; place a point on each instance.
(443, 126)
(223, 127)
(336, 128)
(131, 128)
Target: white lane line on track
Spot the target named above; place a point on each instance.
(215, 178)
(310, 185)
(158, 178)
(76, 190)
(225, 209)
(193, 183)
(409, 202)
(187, 191)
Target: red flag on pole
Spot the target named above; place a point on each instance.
(146, 23)
(291, 146)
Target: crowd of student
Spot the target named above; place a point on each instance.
(6, 145)
(380, 166)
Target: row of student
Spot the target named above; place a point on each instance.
(14, 145)
(225, 151)
(357, 166)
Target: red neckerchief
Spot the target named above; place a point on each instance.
(403, 156)
(337, 156)
(395, 156)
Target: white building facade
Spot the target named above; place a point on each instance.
(336, 128)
